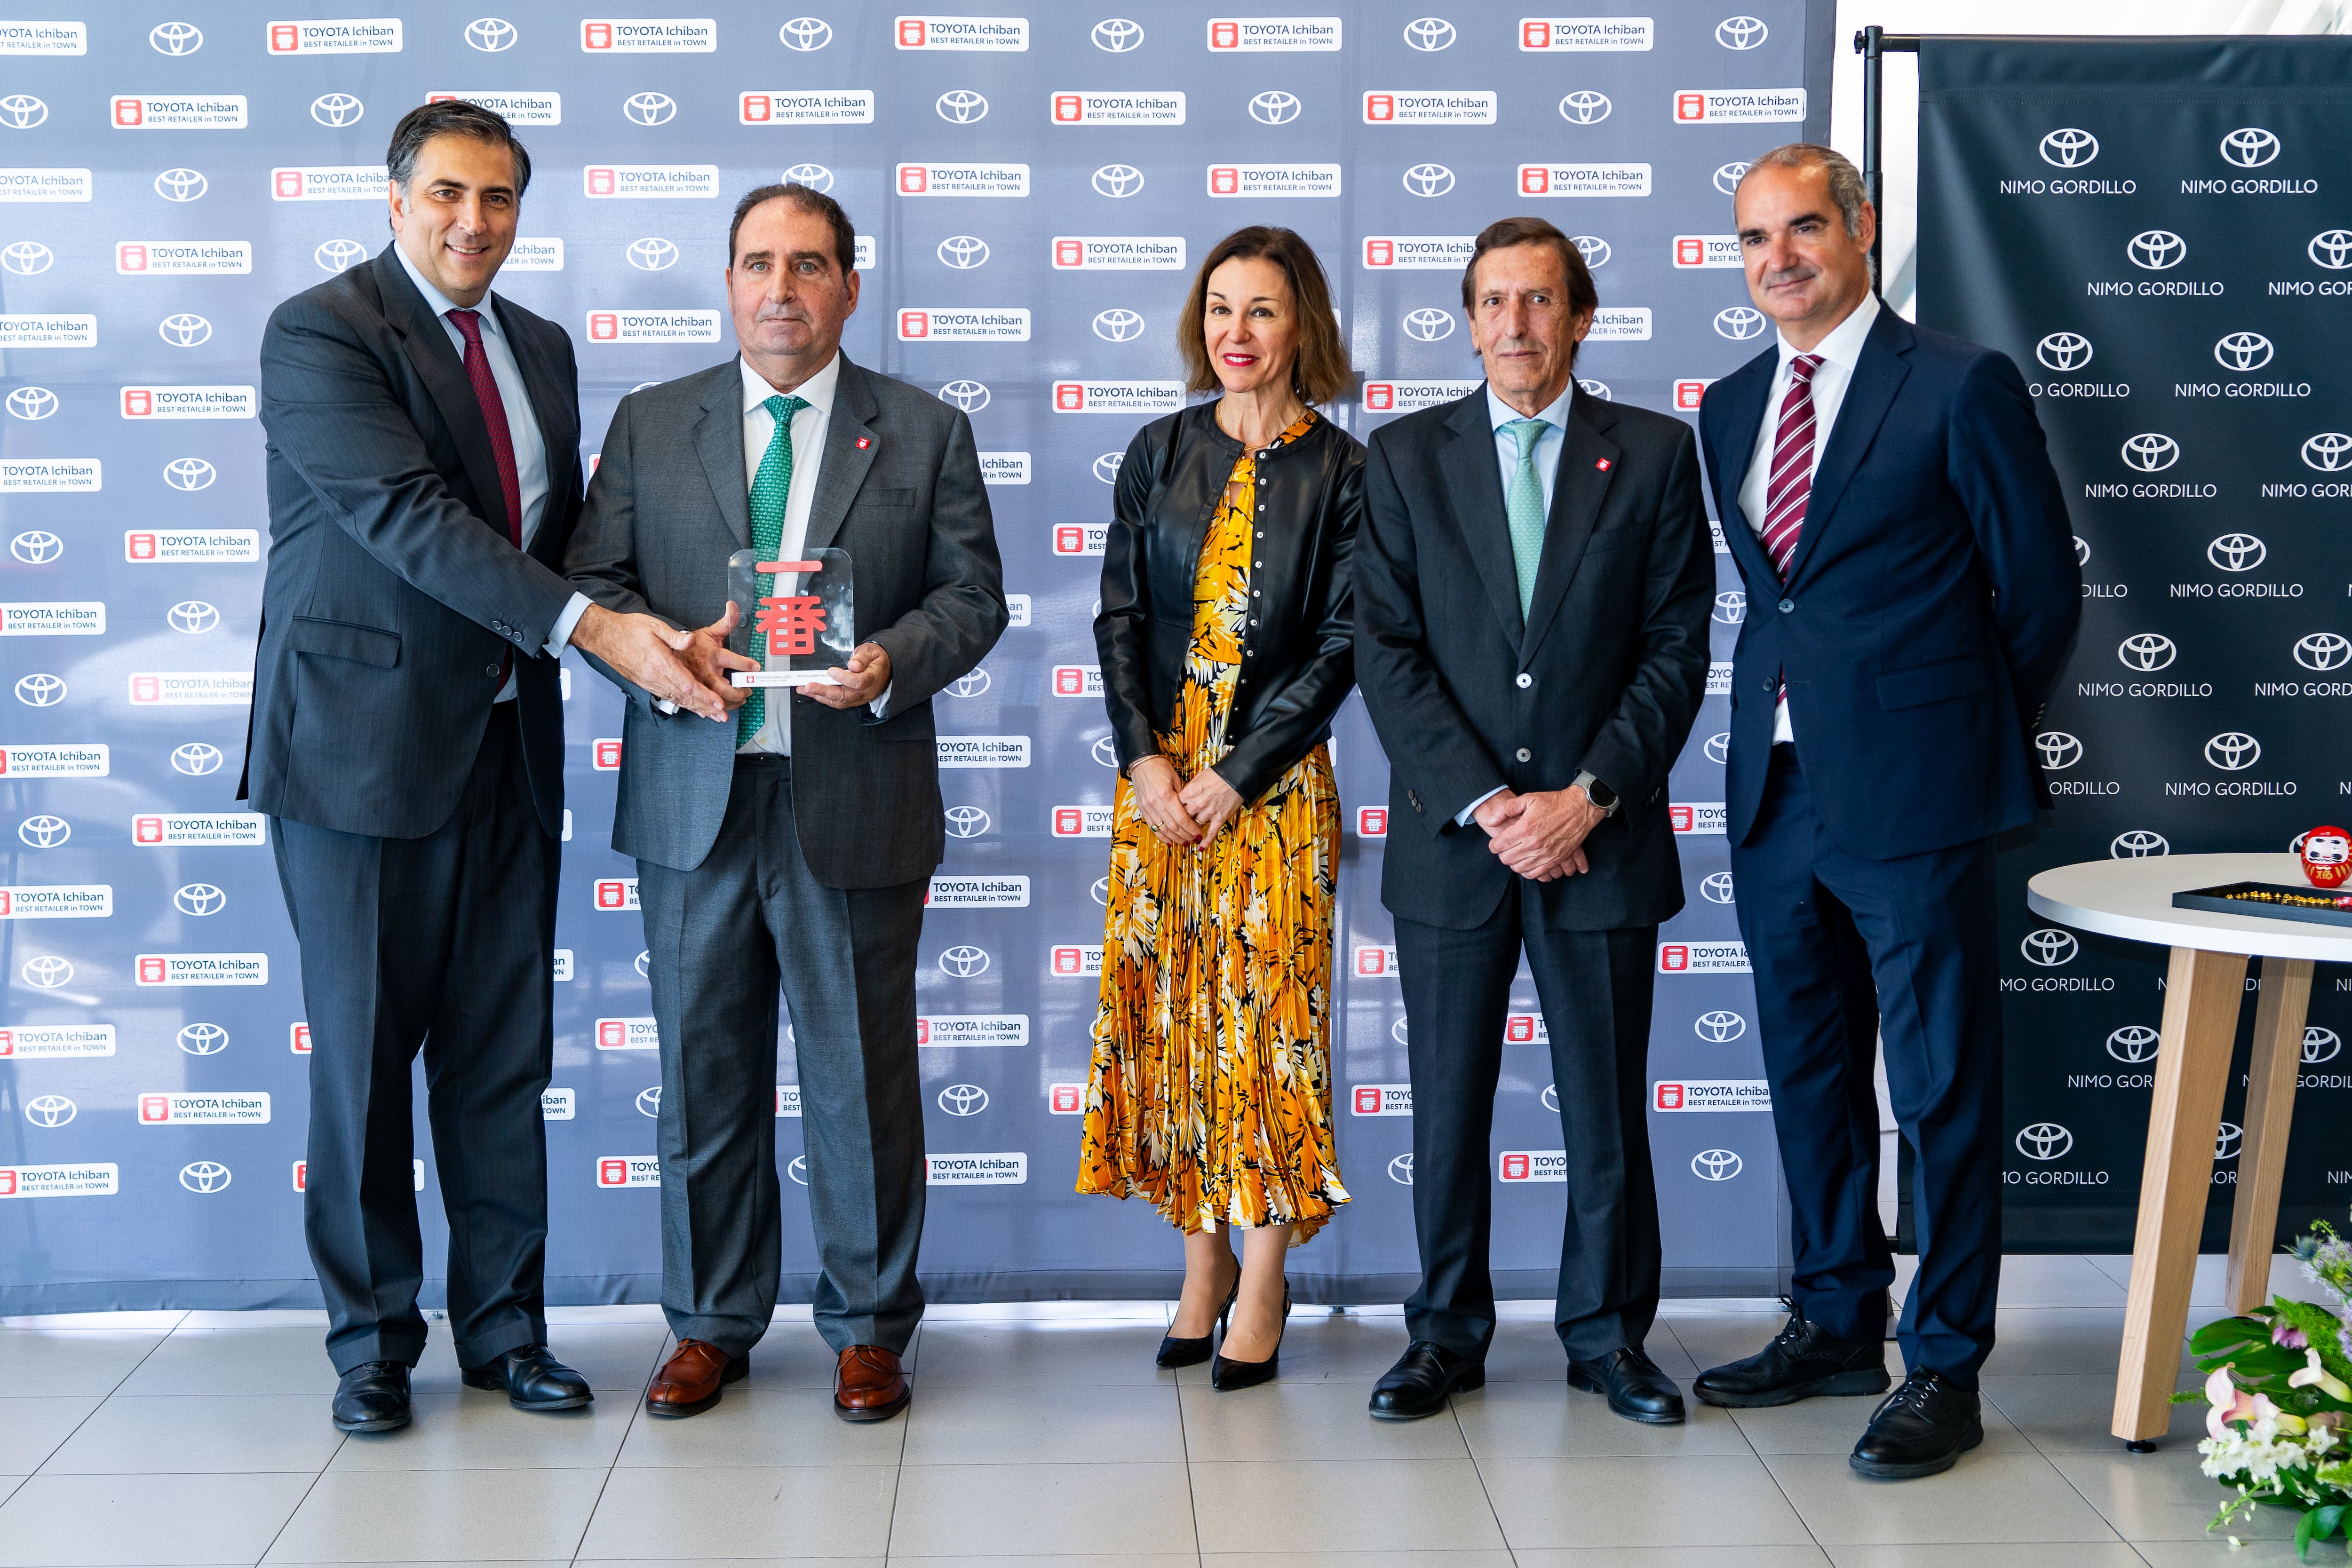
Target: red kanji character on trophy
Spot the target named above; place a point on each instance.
(790, 623)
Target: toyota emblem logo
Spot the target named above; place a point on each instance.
(1429, 34)
(338, 254)
(2226, 1139)
(1119, 325)
(651, 254)
(183, 330)
(815, 176)
(491, 34)
(1715, 887)
(2148, 653)
(961, 106)
(1731, 607)
(805, 34)
(2049, 947)
(204, 1175)
(2329, 452)
(1106, 751)
(2082, 550)
(1105, 467)
(2058, 749)
(21, 111)
(337, 109)
(2236, 552)
(2133, 1044)
(1428, 179)
(2063, 350)
(179, 185)
(1429, 325)
(1715, 1165)
(2068, 148)
(2233, 751)
(963, 1099)
(1101, 892)
(2044, 1141)
(192, 616)
(2156, 249)
(1739, 322)
(1718, 747)
(650, 108)
(971, 684)
(968, 396)
(32, 403)
(44, 832)
(196, 759)
(2323, 651)
(1720, 1028)
(649, 1100)
(2242, 352)
(2151, 453)
(26, 256)
(200, 898)
(2250, 147)
(2319, 1045)
(46, 973)
(1399, 1031)
(49, 1110)
(644, 966)
(2137, 844)
(1584, 107)
(1274, 107)
(966, 821)
(2331, 249)
(188, 473)
(204, 1039)
(1592, 249)
(175, 38)
(37, 548)
(1118, 180)
(1550, 1097)
(1401, 1170)
(1740, 32)
(963, 963)
(963, 251)
(40, 690)
(1117, 36)
(798, 1170)
(1595, 389)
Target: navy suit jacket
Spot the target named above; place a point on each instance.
(1930, 603)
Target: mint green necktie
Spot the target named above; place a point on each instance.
(771, 488)
(1525, 507)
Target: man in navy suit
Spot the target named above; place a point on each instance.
(1913, 592)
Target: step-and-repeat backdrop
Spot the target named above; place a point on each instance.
(1033, 190)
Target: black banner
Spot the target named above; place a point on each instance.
(2159, 233)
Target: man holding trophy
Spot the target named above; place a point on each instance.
(791, 845)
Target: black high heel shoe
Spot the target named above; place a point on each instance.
(1175, 1353)
(1227, 1375)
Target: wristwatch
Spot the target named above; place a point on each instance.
(1597, 792)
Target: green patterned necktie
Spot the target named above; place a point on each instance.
(1525, 506)
(771, 488)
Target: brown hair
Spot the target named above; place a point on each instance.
(805, 199)
(1584, 298)
(1319, 373)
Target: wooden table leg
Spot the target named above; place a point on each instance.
(2270, 1107)
(2202, 996)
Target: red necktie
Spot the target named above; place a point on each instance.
(1791, 483)
(494, 414)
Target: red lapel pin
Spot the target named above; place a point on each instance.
(1602, 465)
(866, 441)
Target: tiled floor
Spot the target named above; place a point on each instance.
(1042, 1434)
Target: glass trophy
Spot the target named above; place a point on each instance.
(797, 617)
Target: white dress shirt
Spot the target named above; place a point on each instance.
(522, 430)
(1839, 351)
(808, 453)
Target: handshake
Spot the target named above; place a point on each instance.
(692, 669)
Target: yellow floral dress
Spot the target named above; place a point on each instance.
(1210, 1092)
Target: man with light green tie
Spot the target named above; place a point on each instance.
(1533, 580)
(788, 849)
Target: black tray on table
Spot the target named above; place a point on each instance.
(2219, 900)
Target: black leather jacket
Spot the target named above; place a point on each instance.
(1299, 660)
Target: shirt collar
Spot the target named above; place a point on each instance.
(441, 303)
(1500, 413)
(816, 392)
(1843, 347)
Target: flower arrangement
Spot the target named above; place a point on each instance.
(2279, 1385)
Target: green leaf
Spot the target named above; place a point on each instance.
(2223, 1332)
(2302, 1533)
(2321, 1327)
(2326, 1520)
(2190, 1396)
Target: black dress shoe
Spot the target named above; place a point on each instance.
(1921, 1428)
(372, 1397)
(1802, 1361)
(1637, 1390)
(1187, 1352)
(1423, 1375)
(533, 1380)
(1228, 1374)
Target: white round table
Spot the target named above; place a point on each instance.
(2203, 990)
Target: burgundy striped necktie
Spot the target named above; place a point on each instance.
(1791, 483)
(494, 414)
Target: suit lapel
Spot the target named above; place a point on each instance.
(1588, 462)
(1743, 393)
(439, 366)
(548, 400)
(718, 441)
(1878, 375)
(1475, 482)
(850, 444)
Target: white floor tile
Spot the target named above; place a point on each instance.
(150, 1521)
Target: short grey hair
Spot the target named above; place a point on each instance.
(1846, 188)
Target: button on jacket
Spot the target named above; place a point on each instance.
(1299, 660)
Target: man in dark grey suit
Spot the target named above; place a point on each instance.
(407, 741)
(1532, 588)
(795, 847)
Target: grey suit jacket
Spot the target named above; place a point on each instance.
(668, 506)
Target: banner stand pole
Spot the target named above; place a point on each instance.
(1873, 44)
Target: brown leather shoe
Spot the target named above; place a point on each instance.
(690, 1380)
(868, 1385)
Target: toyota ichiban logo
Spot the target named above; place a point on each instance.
(964, 962)
(2237, 552)
(2151, 452)
(1117, 36)
(1720, 1028)
(963, 1099)
(2057, 749)
(1119, 325)
(32, 403)
(188, 473)
(49, 1110)
(2156, 249)
(1428, 325)
(961, 106)
(46, 973)
(2133, 1044)
(196, 759)
(2138, 843)
(175, 38)
(1274, 107)
(649, 108)
(966, 821)
(963, 251)
(1118, 180)
(1739, 322)
(968, 396)
(2044, 1141)
(21, 111)
(1584, 107)
(1715, 1165)
(205, 1177)
(2233, 751)
(2250, 147)
(1727, 177)
(652, 254)
(2319, 1045)
(2147, 652)
(2067, 147)
(179, 185)
(2242, 352)
(2049, 947)
(26, 256)
(491, 34)
(805, 35)
(337, 109)
(40, 689)
(2323, 651)
(2330, 452)
(204, 1040)
(2063, 350)
(1429, 179)
(815, 176)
